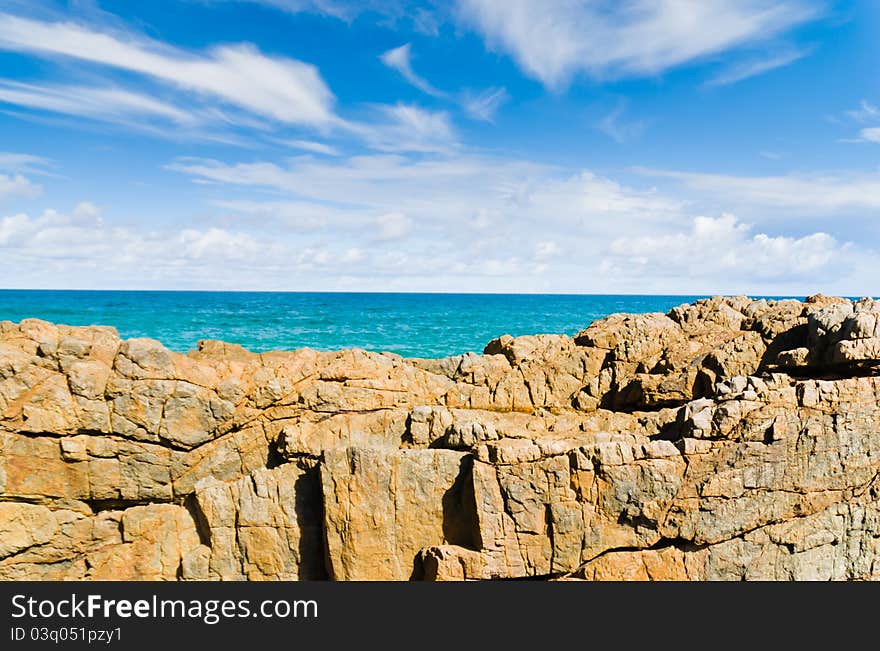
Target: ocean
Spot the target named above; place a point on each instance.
(412, 325)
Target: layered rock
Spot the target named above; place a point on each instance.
(728, 439)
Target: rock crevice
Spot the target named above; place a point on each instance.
(728, 439)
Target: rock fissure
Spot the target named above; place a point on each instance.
(751, 427)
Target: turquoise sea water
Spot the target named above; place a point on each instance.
(413, 325)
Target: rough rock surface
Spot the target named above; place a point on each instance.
(728, 439)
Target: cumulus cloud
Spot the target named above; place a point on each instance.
(83, 249)
(18, 186)
(547, 250)
(465, 211)
(393, 226)
(870, 134)
(553, 40)
(494, 224)
(481, 224)
(716, 249)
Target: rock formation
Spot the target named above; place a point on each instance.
(728, 439)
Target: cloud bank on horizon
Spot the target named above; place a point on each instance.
(642, 146)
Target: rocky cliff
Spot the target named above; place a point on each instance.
(728, 439)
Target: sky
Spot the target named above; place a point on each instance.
(525, 146)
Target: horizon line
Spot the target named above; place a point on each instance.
(697, 295)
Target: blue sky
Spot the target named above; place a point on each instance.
(636, 146)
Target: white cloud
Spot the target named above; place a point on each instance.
(82, 249)
(807, 193)
(29, 163)
(488, 223)
(470, 188)
(460, 203)
(721, 251)
(352, 256)
(292, 216)
(345, 10)
(616, 127)
(552, 40)
(866, 112)
(477, 223)
(335, 8)
(282, 89)
(426, 22)
(871, 134)
(400, 59)
(86, 210)
(219, 243)
(110, 104)
(484, 105)
(480, 106)
(547, 250)
(393, 226)
(407, 127)
(460, 213)
(314, 147)
(18, 186)
(752, 68)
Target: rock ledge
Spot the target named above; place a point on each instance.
(728, 439)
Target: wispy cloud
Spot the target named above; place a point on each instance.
(865, 113)
(313, 146)
(458, 193)
(407, 127)
(346, 10)
(110, 104)
(400, 59)
(485, 104)
(479, 106)
(754, 67)
(28, 163)
(809, 193)
(553, 40)
(618, 128)
(278, 88)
